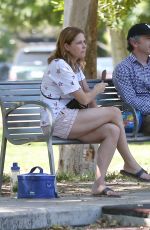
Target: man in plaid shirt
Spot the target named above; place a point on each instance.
(132, 76)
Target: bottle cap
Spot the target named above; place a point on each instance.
(15, 166)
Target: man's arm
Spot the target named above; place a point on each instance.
(124, 86)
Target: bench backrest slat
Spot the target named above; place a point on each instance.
(23, 124)
(28, 110)
(20, 98)
(24, 118)
(20, 92)
(24, 130)
(9, 104)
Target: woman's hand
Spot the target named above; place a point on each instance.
(100, 87)
(87, 97)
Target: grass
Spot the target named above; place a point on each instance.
(28, 156)
(140, 151)
(35, 154)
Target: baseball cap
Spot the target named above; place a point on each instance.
(139, 29)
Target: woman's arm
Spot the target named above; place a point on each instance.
(86, 96)
(86, 89)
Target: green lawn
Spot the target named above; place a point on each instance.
(141, 153)
(28, 156)
(35, 154)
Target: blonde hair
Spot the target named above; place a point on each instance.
(67, 35)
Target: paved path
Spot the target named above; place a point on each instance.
(74, 207)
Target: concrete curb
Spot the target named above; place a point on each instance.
(46, 213)
(27, 214)
(46, 218)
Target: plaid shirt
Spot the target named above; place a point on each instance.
(132, 80)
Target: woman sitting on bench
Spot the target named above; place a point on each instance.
(77, 116)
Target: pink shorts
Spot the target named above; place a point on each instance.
(63, 123)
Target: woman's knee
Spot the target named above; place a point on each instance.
(116, 111)
(116, 114)
(112, 130)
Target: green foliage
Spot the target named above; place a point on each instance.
(141, 13)
(15, 187)
(88, 176)
(58, 7)
(6, 178)
(65, 177)
(114, 12)
(28, 14)
(7, 45)
(113, 176)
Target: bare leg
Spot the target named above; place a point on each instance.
(96, 118)
(109, 134)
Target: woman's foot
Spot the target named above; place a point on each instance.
(102, 190)
(139, 174)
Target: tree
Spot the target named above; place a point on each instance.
(114, 14)
(84, 17)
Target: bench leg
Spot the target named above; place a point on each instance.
(2, 160)
(52, 162)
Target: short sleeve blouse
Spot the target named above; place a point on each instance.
(58, 82)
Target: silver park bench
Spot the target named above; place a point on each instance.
(20, 107)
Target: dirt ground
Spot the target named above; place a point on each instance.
(67, 189)
(79, 189)
(82, 188)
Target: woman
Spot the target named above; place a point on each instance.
(64, 80)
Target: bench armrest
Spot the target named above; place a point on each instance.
(20, 104)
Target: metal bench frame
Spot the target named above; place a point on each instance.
(20, 106)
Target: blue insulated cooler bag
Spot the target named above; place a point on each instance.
(36, 185)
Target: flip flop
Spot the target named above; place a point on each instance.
(136, 175)
(105, 192)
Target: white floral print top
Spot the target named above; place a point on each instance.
(58, 82)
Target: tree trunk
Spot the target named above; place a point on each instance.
(83, 14)
(118, 45)
(78, 159)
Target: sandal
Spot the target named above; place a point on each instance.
(107, 192)
(136, 175)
